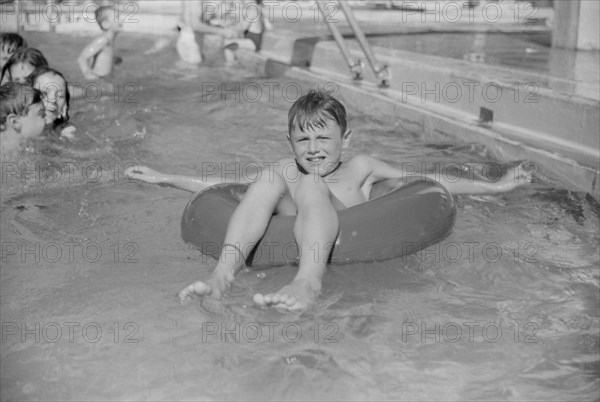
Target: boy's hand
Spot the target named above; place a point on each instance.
(518, 175)
(145, 174)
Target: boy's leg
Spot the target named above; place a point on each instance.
(316, 229)
(246, 227)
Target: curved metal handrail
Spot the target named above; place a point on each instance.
(382, 72)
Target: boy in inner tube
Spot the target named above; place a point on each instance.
(312, 185)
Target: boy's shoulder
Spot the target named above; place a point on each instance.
(355, 169)
(360, 162)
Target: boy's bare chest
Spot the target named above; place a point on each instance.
(344, 183)
(347, 191)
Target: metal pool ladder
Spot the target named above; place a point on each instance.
(382, 72)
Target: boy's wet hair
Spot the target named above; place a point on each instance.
(103, 15)
(11, 42)
(16, 99)
(25, 55)
(312, 111)
(47, 70)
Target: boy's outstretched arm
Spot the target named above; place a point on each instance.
(187, 183)
(88, 52)
(513, 178)
(151, 176)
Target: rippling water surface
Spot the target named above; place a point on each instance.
(506, 308)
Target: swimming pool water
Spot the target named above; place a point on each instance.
(506, 308)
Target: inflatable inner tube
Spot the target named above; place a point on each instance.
(400, 218)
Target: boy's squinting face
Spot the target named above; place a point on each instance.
(320, 149)
(54, 90)
(33, 123)
(20, 71)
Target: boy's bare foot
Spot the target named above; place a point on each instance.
(212, 287)
(295, 297)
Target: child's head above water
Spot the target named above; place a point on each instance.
(314, 110)
(10, 43)
(55, 94)
(108, 18)
(22, 63)
(21, 110)
(317, 132)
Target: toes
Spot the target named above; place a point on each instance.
(186, 294)
(278, 298)
(278, 301)
(292, 306)
(196, 288)
(183, 295)
(260, 300)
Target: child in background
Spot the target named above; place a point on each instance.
(192, 28)
(22, 117)
(21, 64)
(55, 95)
(9, 44)
(97, 59)
(249, 32)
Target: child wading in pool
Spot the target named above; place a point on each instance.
(97, 58)
(22, 116)
(248, 32)
(317, 134)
